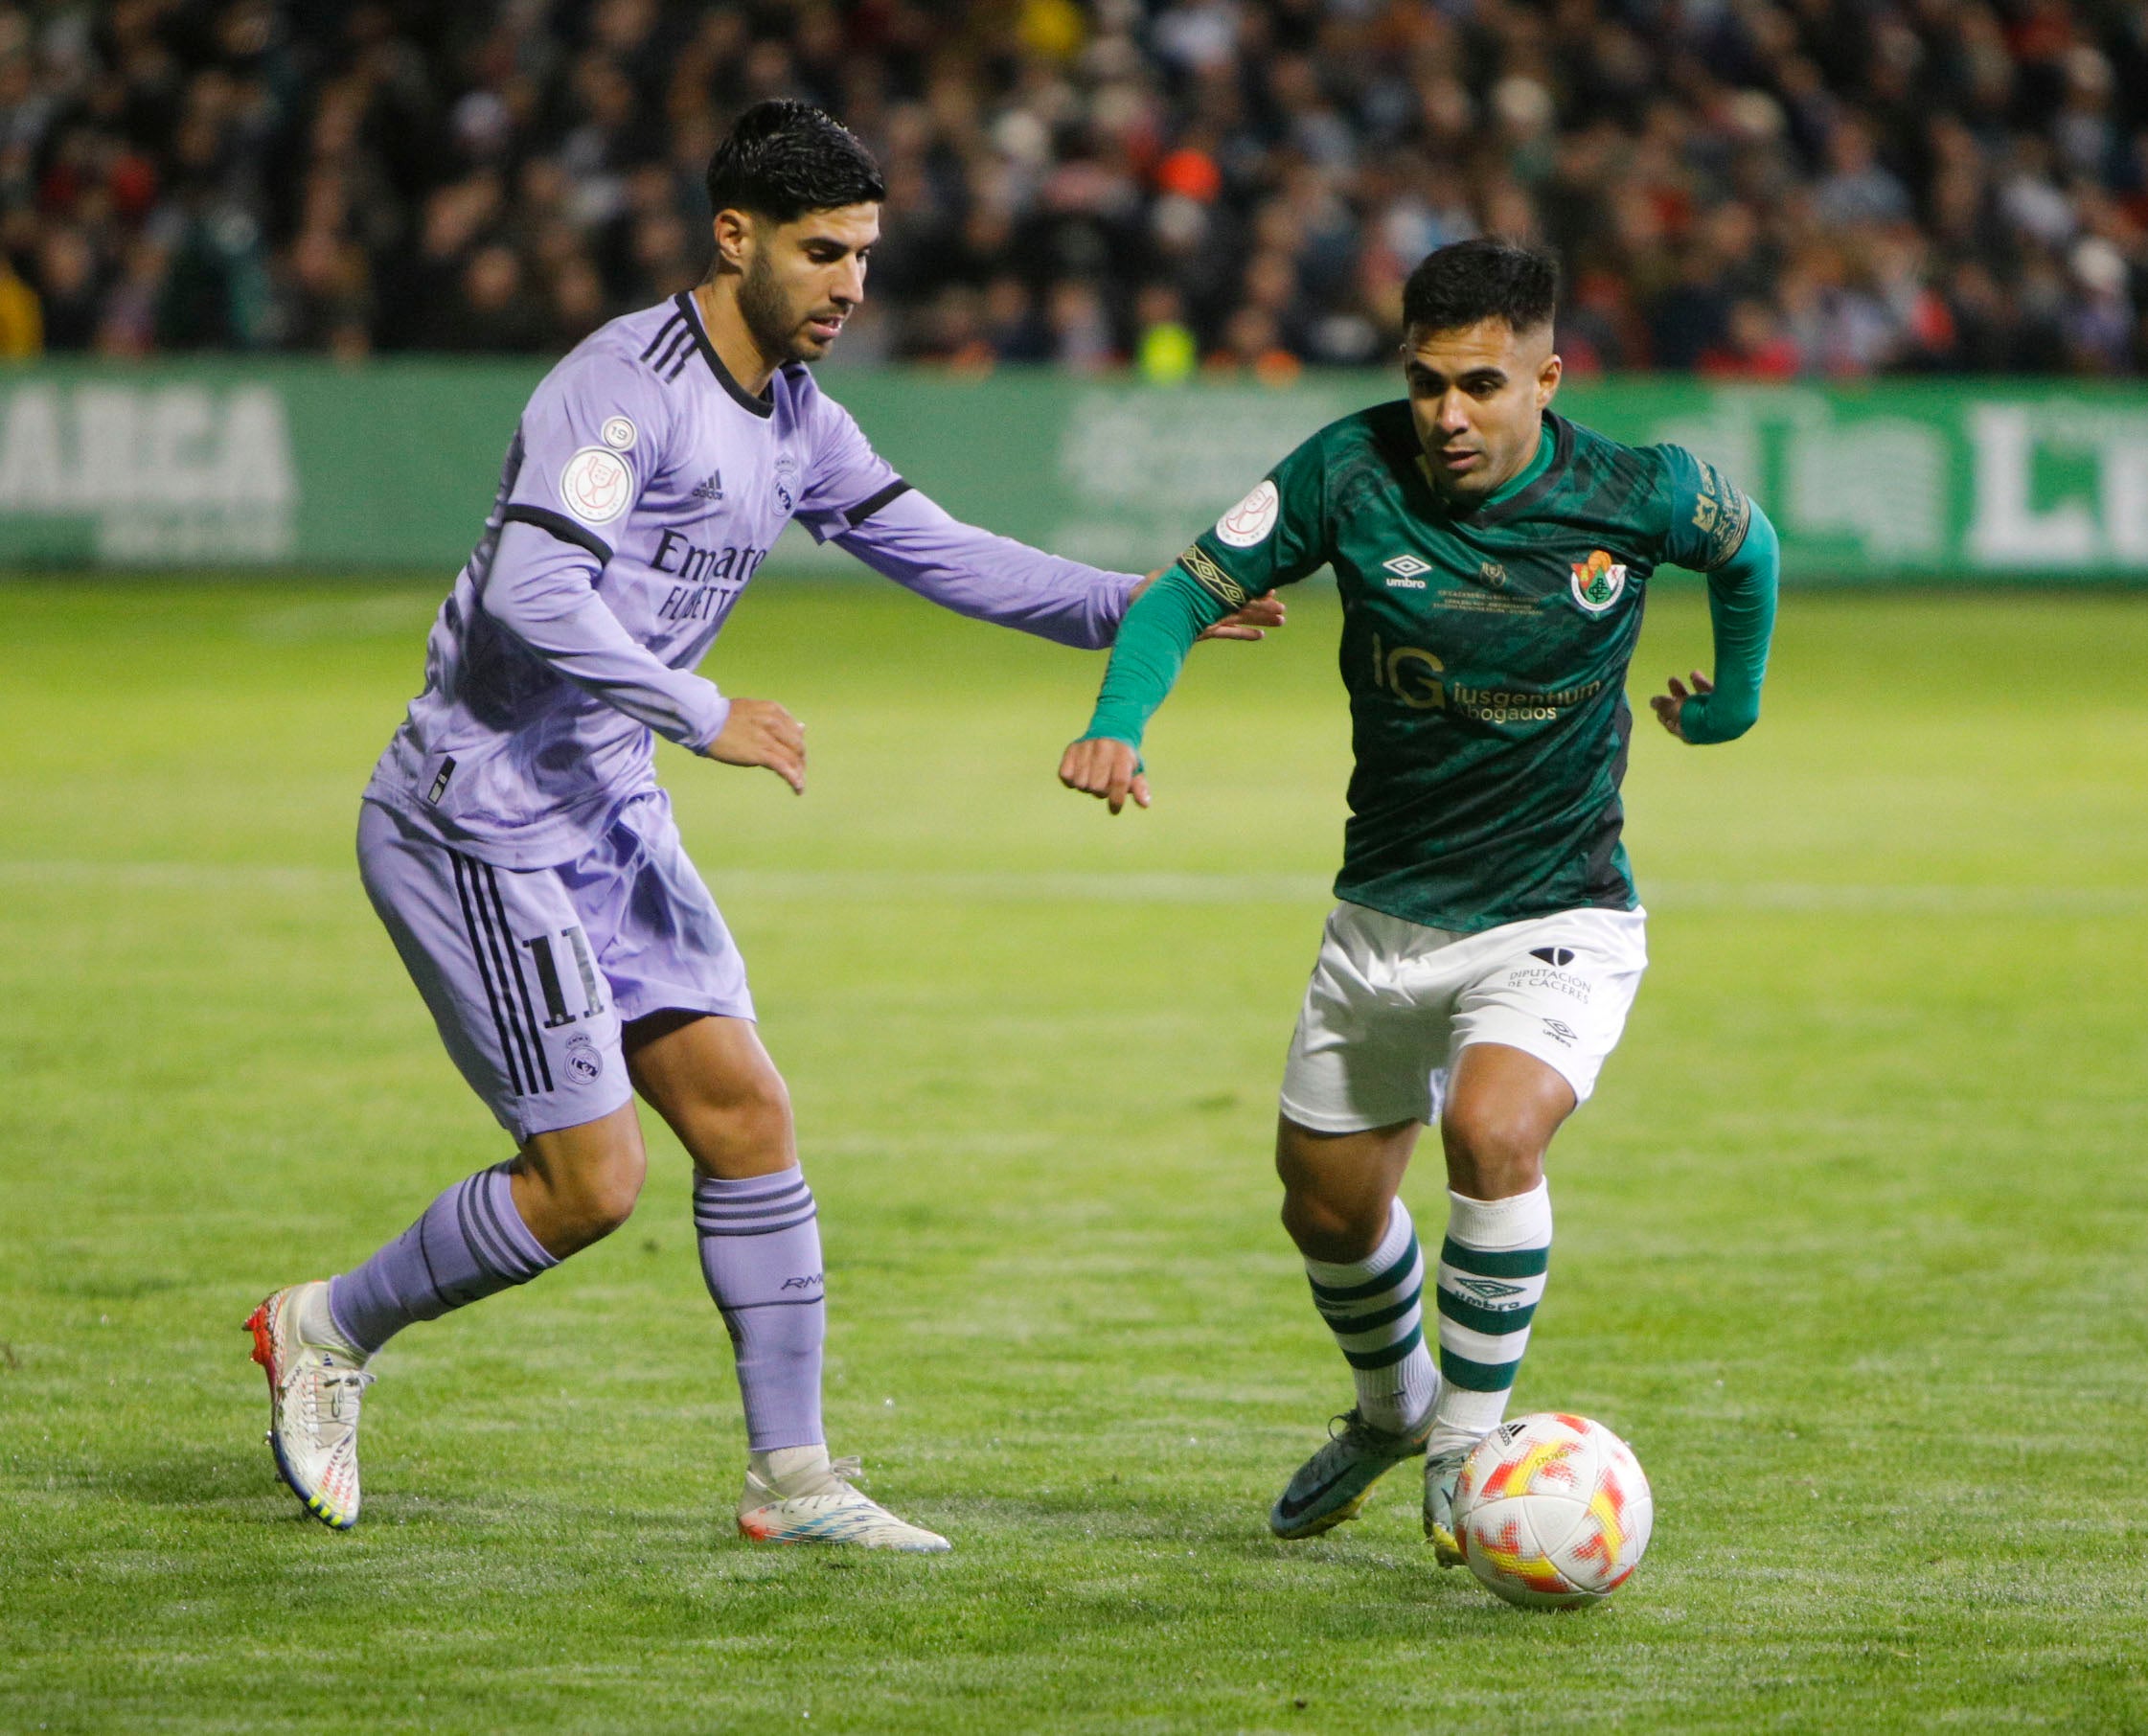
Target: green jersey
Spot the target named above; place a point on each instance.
(1484, 649)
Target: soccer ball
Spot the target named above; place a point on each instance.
(1552, 1512)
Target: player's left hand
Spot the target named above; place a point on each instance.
(1667, 706)
(1251, 621)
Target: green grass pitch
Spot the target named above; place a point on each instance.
(1851, 1242)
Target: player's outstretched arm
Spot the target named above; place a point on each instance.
(986, 577)
(1742, 616)
(1153, 643)
(854, 499)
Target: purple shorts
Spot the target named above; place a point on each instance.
(530, 974)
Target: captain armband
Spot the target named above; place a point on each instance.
(1212, 579)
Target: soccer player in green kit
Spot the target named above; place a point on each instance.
(1492, 557)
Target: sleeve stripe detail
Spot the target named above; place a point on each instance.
(1717, 566)
(763, 406)
(668, 329)
(1212, 578)
(673, 354)
(872, 503)
(561, 526)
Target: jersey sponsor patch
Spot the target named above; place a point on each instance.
(1721, 515)
(1250, 520)
(1212, 578)
(619, 433)
(597, 485)
(1598, 582)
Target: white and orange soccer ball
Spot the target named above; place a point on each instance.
(1552, 1512)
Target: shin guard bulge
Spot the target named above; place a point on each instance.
(761, 1255)
(1492, 1271)
(470, 1243)
(1375, 1309)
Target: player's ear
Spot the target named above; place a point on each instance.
(733, 239)
(1547, 378)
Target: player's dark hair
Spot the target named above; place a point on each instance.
(785, 158)
(1488, 278)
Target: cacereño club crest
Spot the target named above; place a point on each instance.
(1598, 582)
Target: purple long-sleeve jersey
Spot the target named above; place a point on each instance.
(643, 488)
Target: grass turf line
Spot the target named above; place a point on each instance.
(1849, 1241)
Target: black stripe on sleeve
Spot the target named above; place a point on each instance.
(872, 503)
(561, 526)
(669, 327)
(763, 406)
(674, 354)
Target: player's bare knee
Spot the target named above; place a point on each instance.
(1329, 1229)
(763, 1114)
(1494, 1150)
(611, 1193)
(585, 1195)
(747, 1130)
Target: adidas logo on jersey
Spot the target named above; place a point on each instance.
(710, 486)
(1406, 569)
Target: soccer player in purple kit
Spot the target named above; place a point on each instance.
(525, 862)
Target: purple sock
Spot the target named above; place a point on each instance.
(761, 1255)
(470, 1242)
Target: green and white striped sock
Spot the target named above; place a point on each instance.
(1375, 1307)
(1491, 1278)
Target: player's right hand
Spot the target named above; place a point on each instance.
(760, 732)
(1103, 768)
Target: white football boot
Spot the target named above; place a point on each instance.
(1332, 1485)
(314, 1392)
(798, 1494)
(1441, 1473)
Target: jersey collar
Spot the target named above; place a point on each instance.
(763, 406)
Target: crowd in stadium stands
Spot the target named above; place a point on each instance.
(1755, 189)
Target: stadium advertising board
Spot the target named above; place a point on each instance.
(310, 465)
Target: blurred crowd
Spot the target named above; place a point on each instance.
(1748, 188)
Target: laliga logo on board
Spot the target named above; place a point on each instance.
(1597, 584)
(597, 485)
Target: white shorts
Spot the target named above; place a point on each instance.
(1392, 1003)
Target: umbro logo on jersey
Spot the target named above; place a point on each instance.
(1406, 569)
(1553, 955)
(710, 487)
